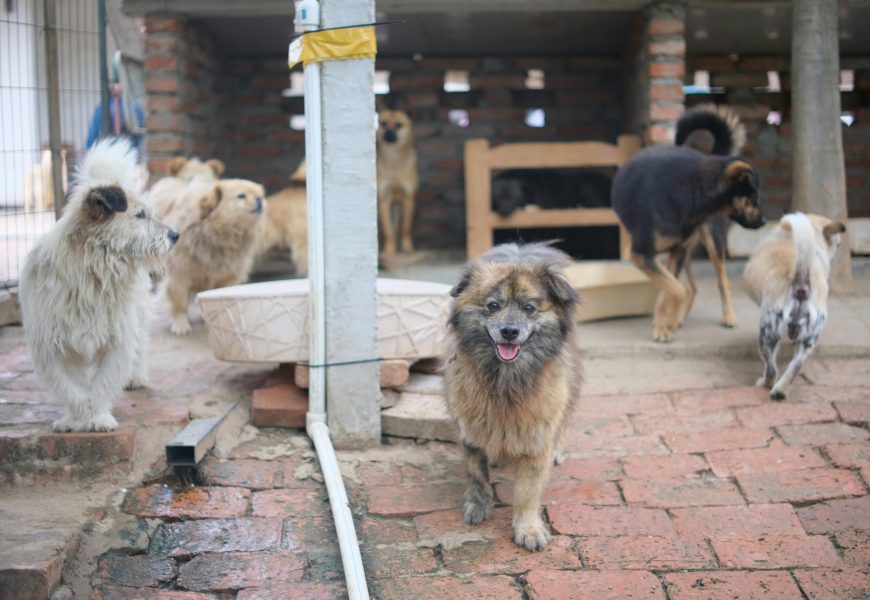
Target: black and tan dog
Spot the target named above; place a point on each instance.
(512, 375)
(664, 195)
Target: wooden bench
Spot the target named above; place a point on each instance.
(481, 160)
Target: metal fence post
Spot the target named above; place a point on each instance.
(54, 137)
(106, 117)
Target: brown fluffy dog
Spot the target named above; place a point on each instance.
(397, 178)
(219, 221)
(512, 376)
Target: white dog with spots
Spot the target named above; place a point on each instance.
(788, 277)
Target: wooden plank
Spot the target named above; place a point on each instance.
(478, 198)
(557, 217)
(555, 155)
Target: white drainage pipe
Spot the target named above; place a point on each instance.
(308, 19)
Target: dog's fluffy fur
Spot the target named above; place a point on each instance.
(788, 277)
(218, 222)
(397, 178)
(181, 173)
(84, 290)
(663, 197)
(512, 375)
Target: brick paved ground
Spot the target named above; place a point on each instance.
(682, 495)
(681, 483)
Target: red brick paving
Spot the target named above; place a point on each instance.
(188, 503)
(776, 457)
(593, 585)
(723, 522)
(776, 552)
(825, 584)
(801, 486)
(742, 585)
(239, 570)
(694, 494)
(836, 515)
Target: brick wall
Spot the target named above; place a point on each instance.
(657, 53)
(259, 143)
(582, 100)
(769, 146)
(183, 107)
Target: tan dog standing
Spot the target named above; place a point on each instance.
(397, 178)
(218, 222)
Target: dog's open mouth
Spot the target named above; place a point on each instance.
(508, 352)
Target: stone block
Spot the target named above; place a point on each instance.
(421, 416)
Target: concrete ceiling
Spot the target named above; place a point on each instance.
(712, 28)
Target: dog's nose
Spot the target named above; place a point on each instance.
(173, 236)
(390, 135)
(510, 332)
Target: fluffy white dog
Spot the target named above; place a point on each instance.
(84, 290)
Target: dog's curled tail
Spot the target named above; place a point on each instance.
(804, 238)
(711, 129)
(110, 161)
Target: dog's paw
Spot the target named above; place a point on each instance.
(663, 335)
(477, 510)
(777, 394)
(532, 534)
(135, 383)
(103, 422)
(729, 322)
(763, 382)
(181, 326)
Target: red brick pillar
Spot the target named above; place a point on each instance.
(182, 66)
(164, 82)
(660, 70)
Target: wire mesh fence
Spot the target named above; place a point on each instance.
(27, 193)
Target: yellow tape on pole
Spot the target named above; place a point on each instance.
(333, 44)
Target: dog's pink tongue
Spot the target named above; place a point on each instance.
(508, 351)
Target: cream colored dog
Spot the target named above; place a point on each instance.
(218, 222)
(84, 290)
(788, 277)
(38, 189)
(181, 173)
(397, 178)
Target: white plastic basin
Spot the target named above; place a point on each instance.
(268, 322)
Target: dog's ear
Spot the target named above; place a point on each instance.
(559, 288)
(210, 200)
(832, 229)
(175, 165)
(216, 166)
(739, 173)
(464, 282)
(102, 202)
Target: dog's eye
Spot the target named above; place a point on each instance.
(529, 308)
(398, 125)
(140, 214)
(493, 306)
(241, 196)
